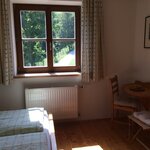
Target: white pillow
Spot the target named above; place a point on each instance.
(143, 116)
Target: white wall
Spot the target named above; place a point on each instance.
(119, 36)
(94, 99)
(141, 55)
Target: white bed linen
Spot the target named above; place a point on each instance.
(49, 126)
(32, 141)
(21, 121)
(143, 116)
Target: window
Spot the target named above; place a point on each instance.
(47, 38)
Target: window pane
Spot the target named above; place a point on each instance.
(34, 53)
(33, 24)
(63, 24)
(64, 54)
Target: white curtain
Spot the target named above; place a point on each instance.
(92, 40)
(6, 67)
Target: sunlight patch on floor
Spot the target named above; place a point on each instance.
(95, 147)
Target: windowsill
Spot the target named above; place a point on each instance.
(37, 75)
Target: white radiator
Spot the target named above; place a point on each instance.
(62, 102)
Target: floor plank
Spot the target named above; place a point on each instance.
(71, 135)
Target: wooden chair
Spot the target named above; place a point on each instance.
(120, 103)
(142, 122)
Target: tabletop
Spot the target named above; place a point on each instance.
(140, 91)
(136, 90)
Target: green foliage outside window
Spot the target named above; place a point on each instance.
(34, 26)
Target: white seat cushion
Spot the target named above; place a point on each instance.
(143, 116)
(122, 101)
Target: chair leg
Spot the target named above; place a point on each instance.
(113, 116)
(135, 135)
(132, 137)
(145, 146)
(129, 129)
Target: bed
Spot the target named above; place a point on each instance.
(27, 129)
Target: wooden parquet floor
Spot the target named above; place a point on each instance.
(93, 135)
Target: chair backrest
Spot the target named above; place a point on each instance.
(114, 85)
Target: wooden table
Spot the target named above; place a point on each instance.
(140, 91)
